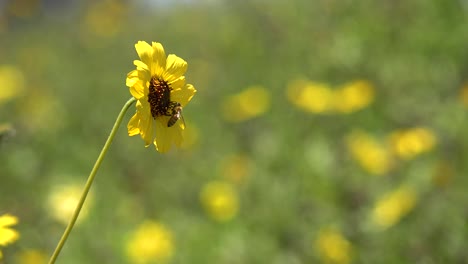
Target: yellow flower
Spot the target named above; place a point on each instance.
(12, 83)
(393, 206)
(7, 235)
(248, 104)
(62, 202)
(333, 247)
(220, 201)
(310, 96)
(353, 96)
(370, 154)
(31, 256)
(408, 144)
(158, 84)
(151, 241)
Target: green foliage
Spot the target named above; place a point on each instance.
(300, 176)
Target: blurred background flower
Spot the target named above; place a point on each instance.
(297, 105)
(409, 143)
(353, 96)
(392, 206)
(62, 201)
(249, 103)
(220, 200)
(8, 235)
(332, 247)
(31, 256)
(150, 242)
(310, 96)
(12, 82)
(371, 154)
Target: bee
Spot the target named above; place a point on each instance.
(176, 115)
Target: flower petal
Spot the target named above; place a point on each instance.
(179, 134)
(164, 134)
(159, 59)
(8, 220)
(146, 120)
(178, 83)
(145, 52)
(136, 81)
(8, 236)
(184, 95)
(175, 68)
(133, 125)
(141, 66)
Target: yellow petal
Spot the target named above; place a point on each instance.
(175, 68)
(133, 125)
(8, 220)
(184, 95)
(164, 134)
(8, 236)
(178, 83)
(136, 81)
(179, 133)
(146, 122)
(159, 59)
(141, 66)
(132, 77)
(145, 52)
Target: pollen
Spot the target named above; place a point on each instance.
(159, 97)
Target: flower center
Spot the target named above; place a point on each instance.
(159, 97)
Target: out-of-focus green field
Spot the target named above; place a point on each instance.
(322, 132)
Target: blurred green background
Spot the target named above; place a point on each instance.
(323, 131)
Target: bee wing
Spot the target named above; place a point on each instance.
(182, 118)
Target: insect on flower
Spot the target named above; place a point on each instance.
(158, 84)
(176, 115)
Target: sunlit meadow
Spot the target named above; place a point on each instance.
(322, 131)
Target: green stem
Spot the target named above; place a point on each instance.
(89, 182)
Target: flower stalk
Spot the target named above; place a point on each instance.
(90, 180)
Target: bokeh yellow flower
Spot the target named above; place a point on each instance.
(12, 82)
(62, 203)
(332, 247)
(353, 96)
(31, 256)
(310, 96)
(7, 234)
(393, 206)
(158, 84)
(236, 168)
(248, 104)
(220, 200)
(371, 154)
(409, 143)
(150, 242)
